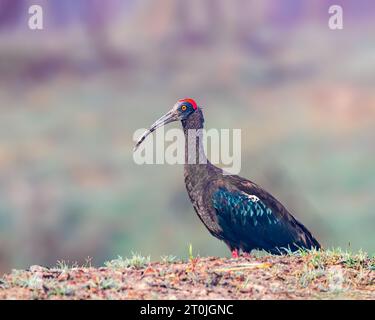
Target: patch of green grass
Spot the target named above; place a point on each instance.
(351, 260)
(137, 261)
(19, 280)
(347, 258)
(319, 265)
(309, 275)
(108, 283)
(58, 290)
(322, 257)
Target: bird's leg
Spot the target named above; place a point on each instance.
(235, 253)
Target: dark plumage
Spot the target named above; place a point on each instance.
(233, 209)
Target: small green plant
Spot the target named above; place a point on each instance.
(317, 260)
(34, 282)
(168, 258)
(191, 256)
(65, 266)
(118, 263)
(137, 261)
(88, 263)
(193, 260)
(285, 250)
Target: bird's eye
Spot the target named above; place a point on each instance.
(183, 108)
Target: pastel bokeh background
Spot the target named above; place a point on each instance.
(72, 95)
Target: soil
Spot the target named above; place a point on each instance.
(268, 277)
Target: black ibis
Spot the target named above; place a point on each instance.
(233, 209)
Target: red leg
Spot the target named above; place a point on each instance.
(235, 253)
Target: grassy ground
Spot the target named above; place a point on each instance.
(331, 274)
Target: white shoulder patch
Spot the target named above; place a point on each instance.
(253, 198)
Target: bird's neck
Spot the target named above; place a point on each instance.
(193, 131)
(196, 162)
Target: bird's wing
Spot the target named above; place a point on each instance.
(255, 222)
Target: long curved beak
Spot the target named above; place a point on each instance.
(170, 116)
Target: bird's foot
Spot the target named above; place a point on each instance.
(235, 254)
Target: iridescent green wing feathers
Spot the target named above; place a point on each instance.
(250, 222)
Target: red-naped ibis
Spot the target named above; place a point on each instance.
(233, 209)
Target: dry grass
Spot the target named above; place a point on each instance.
(331, 274)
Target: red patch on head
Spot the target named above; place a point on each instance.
(191, 101)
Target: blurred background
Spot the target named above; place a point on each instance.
(72, 95)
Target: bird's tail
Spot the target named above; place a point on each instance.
(311, 242)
